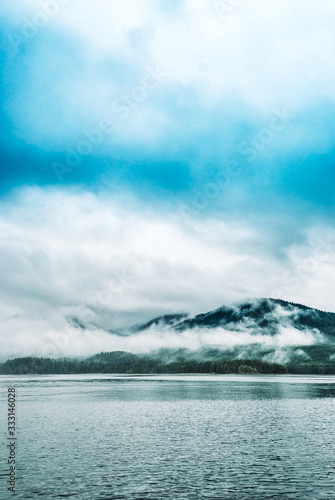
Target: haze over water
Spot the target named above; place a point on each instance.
(173, 437)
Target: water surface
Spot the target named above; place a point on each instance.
(172, 437)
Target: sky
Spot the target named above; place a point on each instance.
(162, 156)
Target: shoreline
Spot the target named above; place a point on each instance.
(187, 374)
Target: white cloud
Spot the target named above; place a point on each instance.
(73, 248)
(259, 56)
(262, 51)
(77, 255)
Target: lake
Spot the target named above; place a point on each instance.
(171, 437)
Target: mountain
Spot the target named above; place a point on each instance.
(273, 330)
(263, 335)
(263, 315)
(258, 316)
(170, 320)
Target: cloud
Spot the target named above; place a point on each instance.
(255, 49)
(79, 91)
(255, 58)
(197, 138)
(74, 255)
(71, 246)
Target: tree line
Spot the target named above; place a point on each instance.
(121, 362)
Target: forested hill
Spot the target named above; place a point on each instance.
(127, 363)
(260, 336)
(265, 315)
(124, 362)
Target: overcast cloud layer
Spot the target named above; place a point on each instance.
(162, 156)
(67, 255)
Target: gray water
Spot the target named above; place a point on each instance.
(172, 437)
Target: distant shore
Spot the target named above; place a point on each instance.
(125, 363)
(129, 363)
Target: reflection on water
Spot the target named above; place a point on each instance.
(174, 437)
